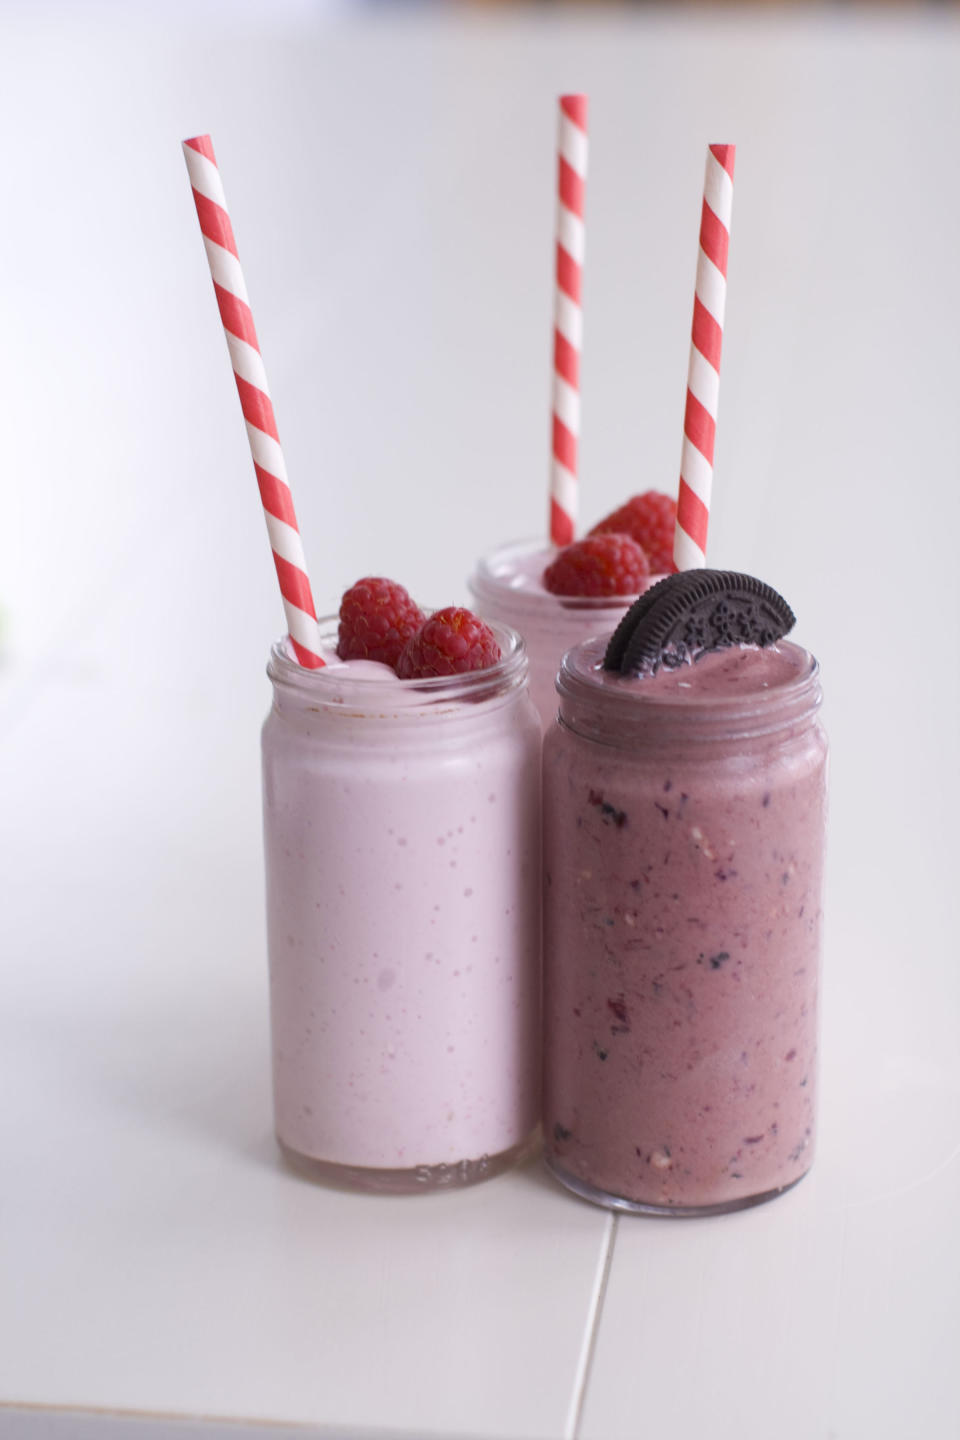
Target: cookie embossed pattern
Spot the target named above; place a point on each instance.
(684, 799)
(685, 615)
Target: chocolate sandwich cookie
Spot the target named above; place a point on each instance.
(685, 615)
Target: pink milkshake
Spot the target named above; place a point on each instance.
(508, 588)
(403, 905)
(683, 833)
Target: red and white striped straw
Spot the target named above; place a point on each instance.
(703, 376)
(251, 378)
(568, 316)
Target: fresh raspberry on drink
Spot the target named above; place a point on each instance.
(649, 519)
(598, 565)
(377, 618)
(450, 642)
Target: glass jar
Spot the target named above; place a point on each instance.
(683, 857)
(508, 588)
(402, 843)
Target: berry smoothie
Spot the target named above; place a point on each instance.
(683, 847)
(403, 904)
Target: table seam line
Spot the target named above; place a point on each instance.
(595, 1314)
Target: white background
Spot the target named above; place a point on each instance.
(390, 176)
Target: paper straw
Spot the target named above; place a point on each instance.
(568, 316)
(703, 376)
(251, 378)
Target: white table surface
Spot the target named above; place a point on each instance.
(390, 178)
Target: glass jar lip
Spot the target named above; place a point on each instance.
(335, 685)
(501, 574)
(604, 710)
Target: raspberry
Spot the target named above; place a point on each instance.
(649, 519)
(599, 565)
(377, 618)
(451, 642)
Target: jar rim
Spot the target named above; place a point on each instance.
(334, 686)
(497, 576)
(626, 714)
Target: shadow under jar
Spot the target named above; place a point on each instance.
(684, 819)
(402, 845)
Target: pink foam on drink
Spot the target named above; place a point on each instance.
(721, 675)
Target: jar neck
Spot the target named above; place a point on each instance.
(338, 694)
(640, 714)
(510, 580)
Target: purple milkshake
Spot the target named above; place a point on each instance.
(683, 830)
